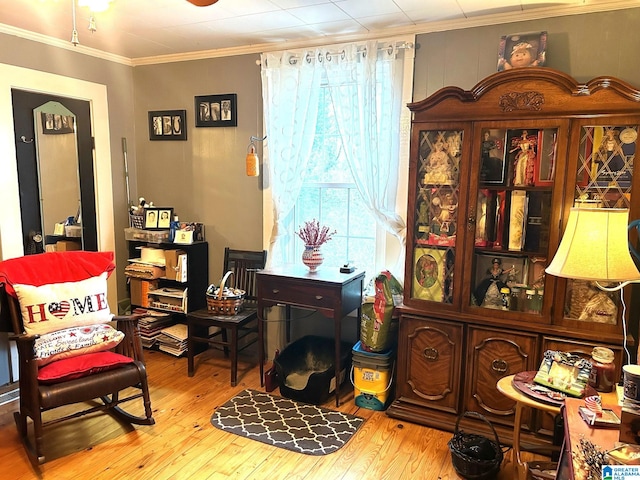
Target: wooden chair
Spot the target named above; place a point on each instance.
(85, 381)
(232, 328)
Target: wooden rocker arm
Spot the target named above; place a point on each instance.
(131, 346)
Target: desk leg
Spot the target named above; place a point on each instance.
(260, 312)
(337, 331)
(518, 466)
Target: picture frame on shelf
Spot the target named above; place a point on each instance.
(151, 218)
(167, 125)
(216, 110)
(165, 214)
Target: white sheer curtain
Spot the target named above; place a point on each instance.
(290, 92)
(366, 90)
(366, 81)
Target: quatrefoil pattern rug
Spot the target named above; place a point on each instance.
(284, 423)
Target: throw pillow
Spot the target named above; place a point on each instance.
(55, 306)
(81, 366)
(71, 342)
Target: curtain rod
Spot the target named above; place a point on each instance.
(389, 47)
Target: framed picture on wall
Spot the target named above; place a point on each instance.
(168, 125)
(216, 110)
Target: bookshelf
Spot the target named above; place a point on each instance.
(179, 285)
(493, 173)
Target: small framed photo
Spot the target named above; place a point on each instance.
(428, 274)
(546, 165)
(216, 110)
(151, 218)
(164, 217)
(55, 124)
(184, 237)
(522, 50)
(168, 125)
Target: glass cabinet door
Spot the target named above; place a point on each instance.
(436, 202)
(603, 179)
(513, 198)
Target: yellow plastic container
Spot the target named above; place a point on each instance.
(372, 378)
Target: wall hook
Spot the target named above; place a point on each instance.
(24, 139)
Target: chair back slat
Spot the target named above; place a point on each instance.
(244, 264)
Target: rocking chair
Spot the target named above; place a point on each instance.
(68, 352)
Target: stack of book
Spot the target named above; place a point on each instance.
(173, 339)
(151, 324)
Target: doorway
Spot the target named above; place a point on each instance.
(24, 103)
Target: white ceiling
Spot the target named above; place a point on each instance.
(140, 31)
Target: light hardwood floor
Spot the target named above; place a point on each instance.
(184, 445)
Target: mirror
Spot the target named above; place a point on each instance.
(57, 167)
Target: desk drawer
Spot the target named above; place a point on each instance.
(317, 296)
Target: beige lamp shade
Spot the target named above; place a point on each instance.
(595, 246)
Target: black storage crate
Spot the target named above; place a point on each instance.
(306, 369)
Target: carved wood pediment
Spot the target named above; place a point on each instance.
(521, 101)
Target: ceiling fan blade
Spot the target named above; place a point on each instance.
(202, 3)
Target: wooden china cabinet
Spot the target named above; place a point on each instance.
(493, 174)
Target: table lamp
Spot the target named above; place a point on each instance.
(595, 246)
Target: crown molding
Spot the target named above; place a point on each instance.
(431, 27)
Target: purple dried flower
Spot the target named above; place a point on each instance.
(313, 234)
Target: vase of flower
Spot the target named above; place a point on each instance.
(313, 236)
(312, 257)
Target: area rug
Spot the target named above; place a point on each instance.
(284, 423)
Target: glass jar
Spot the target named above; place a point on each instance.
(506, 297)
(530, 301)
(603, 370)
(514, 302)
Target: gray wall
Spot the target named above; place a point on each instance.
(203, 178)
(584, 46)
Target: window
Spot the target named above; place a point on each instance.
(337, 149)
(329, 195)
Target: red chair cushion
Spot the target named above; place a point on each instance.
(81, 366)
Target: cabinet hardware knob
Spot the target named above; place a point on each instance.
(430, 353)
(499, 365)
(275, 290)
(319, 297)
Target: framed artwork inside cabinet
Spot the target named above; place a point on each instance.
(607, 154)
(493, 166)
(440, 152)
(429, 274)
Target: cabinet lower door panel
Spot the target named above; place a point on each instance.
(494, 354)
(431, 360)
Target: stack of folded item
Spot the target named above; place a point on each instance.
(151, 324)
(173, 339)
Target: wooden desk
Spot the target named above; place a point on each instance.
(576, 429)
(331, 293)
(505, 386)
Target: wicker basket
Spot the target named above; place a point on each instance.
(136, 221)
(225, 300)
(475, 456)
